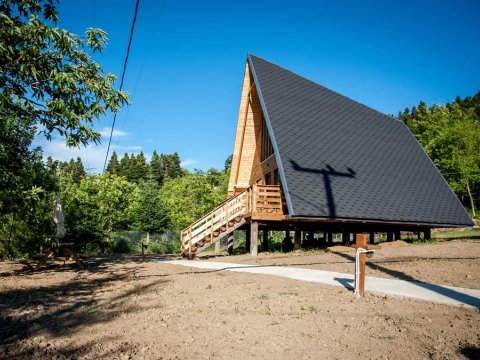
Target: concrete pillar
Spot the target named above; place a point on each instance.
(230, 244)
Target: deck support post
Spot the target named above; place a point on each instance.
(372, 237)
(397, 235)
(218, 246)
(254, 238)
(247, 238)
(345, 237)
(265, 240)
(287, 242)
(389, 236)
(230, 243)
(427, 234)
(330, 238)
(298, 239)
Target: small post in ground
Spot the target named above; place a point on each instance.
(360, 255)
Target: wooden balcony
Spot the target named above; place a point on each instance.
(266, 203)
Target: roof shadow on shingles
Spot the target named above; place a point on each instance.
(340, 159)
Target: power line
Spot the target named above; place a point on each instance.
(123, 77)
(154, 30)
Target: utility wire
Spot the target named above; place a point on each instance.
(123, 78)
(154, 30)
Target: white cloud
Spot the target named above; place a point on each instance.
(188, 162)
(126, 148)
(105, 132)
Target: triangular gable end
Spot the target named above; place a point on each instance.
(254, 159)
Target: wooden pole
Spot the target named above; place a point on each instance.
(254, 238)
(247, 238)
(265, 240)
(330, 238)
(389, 236)
(345, 237)
(230, 244)
(218, 246)
(298, 239)
(397, 235)
(427, 235)
(361, 241)
(372, 237)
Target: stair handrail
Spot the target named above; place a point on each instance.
(205, 217)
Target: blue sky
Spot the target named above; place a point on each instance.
(188, 57)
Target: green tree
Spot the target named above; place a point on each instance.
(138, 168)
(78, 171)
(124, 167)
(228, 164)
(150, 215)
(47, 77)
(113, 165)
(100, 205)
(188, 198)
(451, 137)
(155, 169)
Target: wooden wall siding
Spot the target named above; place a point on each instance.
(246, 152)
(265, 167)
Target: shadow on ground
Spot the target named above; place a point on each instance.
(66, 306)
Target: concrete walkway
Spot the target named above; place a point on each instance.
(417, 290)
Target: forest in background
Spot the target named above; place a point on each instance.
(50, 84)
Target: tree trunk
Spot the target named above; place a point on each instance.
(472, 203)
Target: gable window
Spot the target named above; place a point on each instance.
(267, 148)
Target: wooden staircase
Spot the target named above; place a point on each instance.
(259, 202)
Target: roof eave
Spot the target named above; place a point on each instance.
(272, 138)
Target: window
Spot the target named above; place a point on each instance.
(267, 148)
(268, 179)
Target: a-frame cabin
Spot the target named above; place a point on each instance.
(309, 160)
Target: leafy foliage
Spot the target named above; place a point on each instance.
(451, 136)
(150, 215)
(98, 206)
(189, 197)
(47, 77)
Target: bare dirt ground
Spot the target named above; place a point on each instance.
(454, 263)
(121, 308)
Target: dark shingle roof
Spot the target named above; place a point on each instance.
(340, 159)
